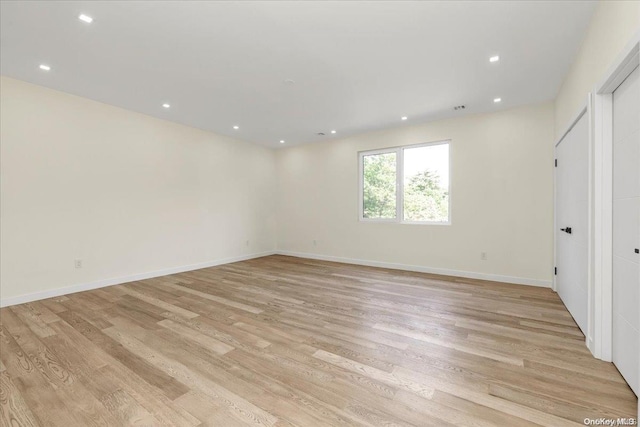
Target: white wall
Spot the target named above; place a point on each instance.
(502, 199)
(130, 194)
(611, 28)
(126, 193)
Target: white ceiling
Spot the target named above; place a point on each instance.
(357, 66)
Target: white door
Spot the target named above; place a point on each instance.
(626, 227)
(572, 180)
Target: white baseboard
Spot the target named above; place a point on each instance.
(422, 269)
(591, 346)
(21, 299)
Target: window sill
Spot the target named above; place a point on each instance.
(393, 221)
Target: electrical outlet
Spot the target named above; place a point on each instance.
(483, 256)
(315, 242)
(78, 263)
(246, 243)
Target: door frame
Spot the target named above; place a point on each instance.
(601, 299)
(585, 110)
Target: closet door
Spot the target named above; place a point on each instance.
(626, 227)
(572, 210)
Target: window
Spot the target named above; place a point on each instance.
(405, 184)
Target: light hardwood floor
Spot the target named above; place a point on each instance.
(282, 341)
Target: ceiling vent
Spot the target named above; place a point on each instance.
(459, 107)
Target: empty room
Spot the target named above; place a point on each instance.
(319, 213)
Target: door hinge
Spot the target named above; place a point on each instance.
(555, 271)
(556, 162)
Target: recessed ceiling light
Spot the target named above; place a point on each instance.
(85, 18)
(497, 100)
(282, 141)
(236, 127)
(165, 105)
(333, 131)
(494, 59)
(404, 117)
(45, 67)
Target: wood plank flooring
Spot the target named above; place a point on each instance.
(283, 341)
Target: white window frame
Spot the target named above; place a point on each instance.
(399, 151)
